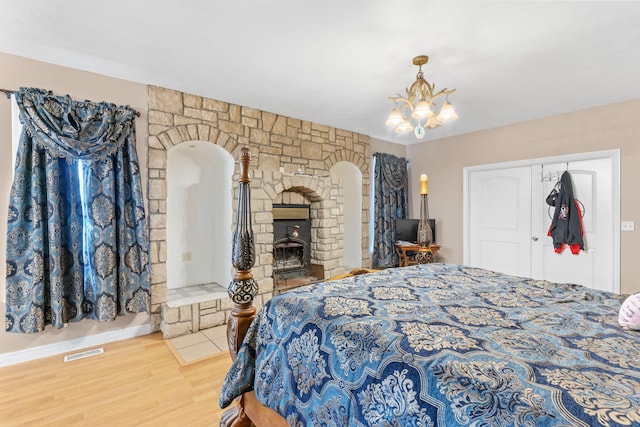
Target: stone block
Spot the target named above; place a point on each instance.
(203, 132)
(158, 273)
(158, 234)
(280, 126)
(154, 142)
(159, 293)
(158, 220)
(195, 318)
(175, 329)
(157, 159)
(206, 305)
(165, 140)
(268, 119)
(182, 120)
(160, 118)
(211, 320)
(185, 312)
(192, 101)
(184, 134)
(318, 165)
(175, 136)
(225, 304)
(158, 189)
(311, 151)
(293, 132)
(231, 127)
(170, 315)
(306, 127)
(249, 122)
(192, 129)
(162, 253)
(215, 105)
(269, 162)
(153, 253)
(167, 100)
(153, 206)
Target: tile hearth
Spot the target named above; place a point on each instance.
(199, 346)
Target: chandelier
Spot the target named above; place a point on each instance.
(420, 104)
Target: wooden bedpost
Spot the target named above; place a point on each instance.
(243, 288)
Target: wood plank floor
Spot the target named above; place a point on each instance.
(136, 382)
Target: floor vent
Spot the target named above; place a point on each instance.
(88, 353)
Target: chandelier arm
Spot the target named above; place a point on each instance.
(401, 99)
(444, 91)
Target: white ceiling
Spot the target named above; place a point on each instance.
(336, 62)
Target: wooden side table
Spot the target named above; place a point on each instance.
(406, 259)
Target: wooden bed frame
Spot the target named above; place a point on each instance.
(242, 290)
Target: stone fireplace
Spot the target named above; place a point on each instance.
(281, 147)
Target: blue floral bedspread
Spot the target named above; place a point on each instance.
(441, 345)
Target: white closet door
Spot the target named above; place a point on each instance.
(500, 220)
(593, 187)
(507, 220)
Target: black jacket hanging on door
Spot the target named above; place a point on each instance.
(566, 226)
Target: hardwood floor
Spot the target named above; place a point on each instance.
(136, 382)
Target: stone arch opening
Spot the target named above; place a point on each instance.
(324, 196)
(186, 313)
(198, 222)
(351, 178)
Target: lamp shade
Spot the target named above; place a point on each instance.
(395, 118)
(422, 110)
(447, 112)
(424, 180)
(404, 126)
(433, 122)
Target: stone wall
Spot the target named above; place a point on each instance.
(280, 147)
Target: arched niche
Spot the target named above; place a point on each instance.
(351, 178)
(199, 214)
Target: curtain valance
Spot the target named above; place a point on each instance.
(74, 129)
(394, 170)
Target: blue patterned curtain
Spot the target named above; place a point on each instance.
(391, 194)
(77, 243)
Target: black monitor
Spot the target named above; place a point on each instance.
(407, 229)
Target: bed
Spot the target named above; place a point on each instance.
(435, 345)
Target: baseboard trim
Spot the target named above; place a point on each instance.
(34, 353)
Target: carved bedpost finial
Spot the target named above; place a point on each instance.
(243, 288)
(245, 160)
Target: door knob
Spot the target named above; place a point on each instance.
(534, 238)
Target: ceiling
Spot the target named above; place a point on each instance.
(337, 62)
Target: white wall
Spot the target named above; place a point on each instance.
(352, 183)
(199, 206)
